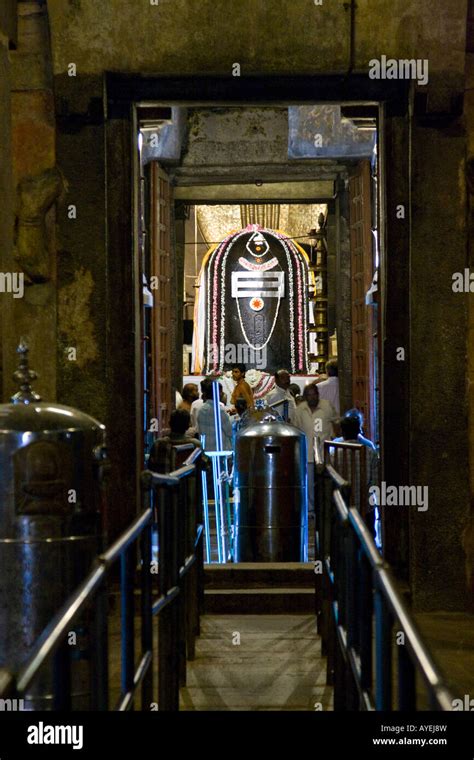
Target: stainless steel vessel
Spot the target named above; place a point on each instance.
(270, 498)
(51, 466)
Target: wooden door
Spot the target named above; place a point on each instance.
(160, 278)
(362, 269)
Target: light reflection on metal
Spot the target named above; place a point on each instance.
(219, 473)
(205, 504)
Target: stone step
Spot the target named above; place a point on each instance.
(260, 575)
(259, 601)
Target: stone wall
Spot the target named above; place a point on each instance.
(35, 186)
(438, 413)
(209, 36)
(6, 189)
(468, 538)
(82, 249)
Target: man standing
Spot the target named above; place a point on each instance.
(196, 406)
(190, 393)
(329, 389)
(242, 388)
(206, 423)
(315, 417)
(282, 393)
(351, 427)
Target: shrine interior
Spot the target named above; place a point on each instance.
(279, 168)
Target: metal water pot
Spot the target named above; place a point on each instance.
(270, 503)
(52, 459)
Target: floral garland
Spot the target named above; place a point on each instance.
(261, 383)
(214, 261)
(258, 267)
(301, 307)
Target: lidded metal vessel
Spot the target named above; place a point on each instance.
(51, 465)
(270, 499)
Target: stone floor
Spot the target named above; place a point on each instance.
(257, 662)
(278, 666)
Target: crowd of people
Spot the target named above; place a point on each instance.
(315, 411)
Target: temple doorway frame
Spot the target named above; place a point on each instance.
(124, 91)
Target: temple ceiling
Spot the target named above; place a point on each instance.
(296, 219)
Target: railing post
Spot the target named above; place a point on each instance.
(168, 619)
(326, 543)
(146, 613)
(365, 621)
(318, 553)
(352, 609)
(332, 537)
(327, 645)
(352, 580)
(337, 610)
(62, 678)
(340, 695)
(406, 681)
(383, 654)
(200, 470)
(179, 508)
(192, 601)
(100, 652)
(127, 582)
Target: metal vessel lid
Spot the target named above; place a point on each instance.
(269, 427)
(27, 412)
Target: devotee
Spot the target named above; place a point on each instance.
(295, 390)
(315, 417)
(206, 424)
(242, 388)
(329, 389)
(351, 427)
(160, 455)
(190, 393)
(282, 393)
(239, 418)
(197, 405)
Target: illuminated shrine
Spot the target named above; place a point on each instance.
(253, 303)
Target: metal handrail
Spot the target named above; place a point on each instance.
(57, 628)
(358, 587)
(179, 572)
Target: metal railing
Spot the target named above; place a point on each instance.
(359, 608)
(178, 600)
